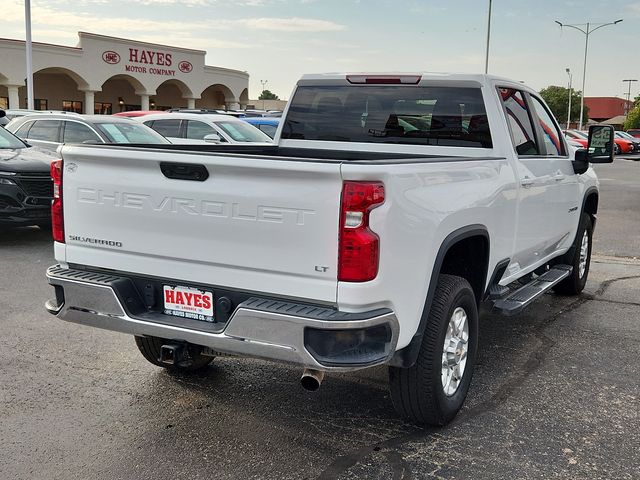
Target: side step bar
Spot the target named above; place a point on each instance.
(516, 301)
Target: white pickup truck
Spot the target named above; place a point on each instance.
(389, 208)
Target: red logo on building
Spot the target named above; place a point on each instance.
(111, 57)
(185, 67)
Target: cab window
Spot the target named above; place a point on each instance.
(550, 133)
(519, 120)
(167, 128)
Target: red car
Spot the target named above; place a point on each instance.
(621, 145)
(136, 113)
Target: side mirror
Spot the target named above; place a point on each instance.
(212, 138)
(600, 147)
(2, 113)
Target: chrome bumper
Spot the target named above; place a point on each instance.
(252, 331)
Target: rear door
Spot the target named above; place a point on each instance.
(537, 214)
(263, 225)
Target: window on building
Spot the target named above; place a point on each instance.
(40, 104)
(75, 132)
(550, 133)
(48, 130)
(101, 108)
(4, 103)
(72, 106)
(519, 119)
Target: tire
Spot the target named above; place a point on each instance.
(150, 349)
(418, 392)
(574, 283)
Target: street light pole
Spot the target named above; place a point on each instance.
(627, 107)
(263, 83)
(27, 19)
(569, 109)
(589, 30)
(486, 58)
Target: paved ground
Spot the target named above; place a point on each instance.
(556, 393)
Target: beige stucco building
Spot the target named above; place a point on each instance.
(108, 75)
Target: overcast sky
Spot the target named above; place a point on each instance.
(279, 40)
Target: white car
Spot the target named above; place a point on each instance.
(196, 128)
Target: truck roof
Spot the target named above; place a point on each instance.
(424, 77)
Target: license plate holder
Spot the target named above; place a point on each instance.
(188, 302)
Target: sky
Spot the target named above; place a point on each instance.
(279, 40)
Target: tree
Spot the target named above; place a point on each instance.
(633, 118)
(268, 95)
(558, 100)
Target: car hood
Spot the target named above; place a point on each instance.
(25, 160)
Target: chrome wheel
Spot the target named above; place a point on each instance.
(454, 352)
(584, 253)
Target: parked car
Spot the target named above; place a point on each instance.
(49, 131)
(135, 113)
(634, 132)
(630, 138)
(576, 139)
(352, 242)
(21, 112)
(26, 189)
(621, 145)
(192, 128)
(268, 125)
(3, 118)
(207, 111)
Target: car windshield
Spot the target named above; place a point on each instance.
(243, 132)
(8, 140)
(446, 116)
(130, 133)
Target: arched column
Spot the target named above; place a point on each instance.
(14, 96)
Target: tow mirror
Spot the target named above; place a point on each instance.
(212, 138)
(600, 147)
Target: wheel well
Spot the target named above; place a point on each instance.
(469, 258)
(591, 204)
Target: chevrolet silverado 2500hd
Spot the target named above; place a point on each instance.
(389, 208)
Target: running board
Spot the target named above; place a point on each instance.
(515, 302)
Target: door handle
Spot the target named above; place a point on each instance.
(558, 177)
(526, 182)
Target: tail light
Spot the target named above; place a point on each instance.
(359, 249)
(57, 218)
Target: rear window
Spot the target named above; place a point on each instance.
(446, 116)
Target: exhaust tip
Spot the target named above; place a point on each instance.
(311, 380)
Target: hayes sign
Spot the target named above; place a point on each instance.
(148, 61)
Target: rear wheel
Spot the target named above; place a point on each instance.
(579, 257)
(435, 387)
(193, 359)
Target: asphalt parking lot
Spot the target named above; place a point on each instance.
(556, 393)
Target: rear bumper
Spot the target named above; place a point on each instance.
(282, 331)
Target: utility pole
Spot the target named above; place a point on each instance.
(568, 70)
(263, 83)
(627, 107)
(27, 19)
(486, 58)
(590, 28)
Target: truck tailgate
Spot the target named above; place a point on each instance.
(262, 225)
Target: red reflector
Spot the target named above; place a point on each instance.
(359, 247)
(57, 218)
(385, 79)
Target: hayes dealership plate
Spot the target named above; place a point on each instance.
(188, 303)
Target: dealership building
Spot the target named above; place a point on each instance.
(108, 75)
